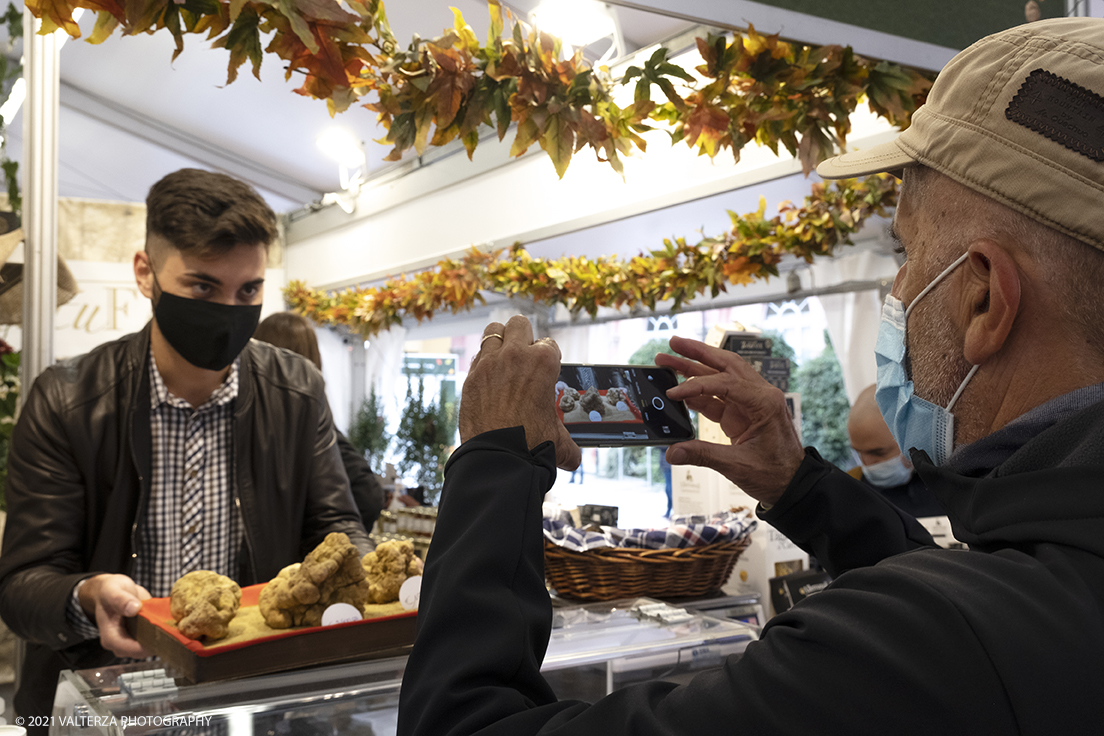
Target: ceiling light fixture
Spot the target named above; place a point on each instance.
(347, 150)
(342, 146)
(576, 22)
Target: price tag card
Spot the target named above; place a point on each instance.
(410, 593)
(340, 613)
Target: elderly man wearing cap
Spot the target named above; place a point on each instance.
(990, 370)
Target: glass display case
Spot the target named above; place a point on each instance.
(593, 650)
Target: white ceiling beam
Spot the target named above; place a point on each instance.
(185, 144)
(810, 29)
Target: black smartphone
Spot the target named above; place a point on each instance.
(620, 405)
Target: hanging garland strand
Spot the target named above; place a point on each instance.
(752, 87)
(678, 272)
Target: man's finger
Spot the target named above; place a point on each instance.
(700, 453)
(519, 331)
(716, 358)
(720, 385)
(682, 366)
(113, 633)
(709, 407)
(115, 638)
(493, 336)
(568, 454)
(547, 343)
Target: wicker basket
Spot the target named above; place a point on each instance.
(609, 573)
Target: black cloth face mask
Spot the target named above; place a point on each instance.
(206, 334)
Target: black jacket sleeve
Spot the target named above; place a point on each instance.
(866, 656)
(841, 521)
(329, 502)
(42, 560)
(367, 491)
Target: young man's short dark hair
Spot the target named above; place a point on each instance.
(207, 213)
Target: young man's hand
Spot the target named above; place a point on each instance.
(107, 600)
(765, 451)
(512, 382)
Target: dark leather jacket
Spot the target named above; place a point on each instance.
(79, 482)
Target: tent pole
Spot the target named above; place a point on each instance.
(40, 194)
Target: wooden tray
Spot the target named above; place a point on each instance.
(387, 635)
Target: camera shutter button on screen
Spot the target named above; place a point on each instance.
(657, 403)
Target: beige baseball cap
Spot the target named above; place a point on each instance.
(1019, 117)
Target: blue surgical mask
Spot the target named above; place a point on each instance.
(914, 422)
(888, 473)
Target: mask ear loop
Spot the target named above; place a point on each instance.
(958, 262)
(962, 387)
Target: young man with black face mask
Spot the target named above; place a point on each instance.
(185, 446)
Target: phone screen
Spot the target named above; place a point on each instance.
(615, 405)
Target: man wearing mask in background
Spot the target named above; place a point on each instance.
(990, 371)
(882, 465)
(185, 446)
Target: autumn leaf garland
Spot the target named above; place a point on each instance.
(749, 88)
(752, 87)
(678, 272)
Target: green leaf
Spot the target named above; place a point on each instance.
(106, 23)
(558, 142)
(142, 15)
(467, 35)
(299, 25)
(244, 43)
(496, 22)
(674, 70)
(11, 180)
(423, 122)
(171, 21)
(527, 133)
(236, 8)
(503, 113)
(13, 19)
(471, 140)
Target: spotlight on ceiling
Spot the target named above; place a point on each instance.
(342, 146)
(575, 22)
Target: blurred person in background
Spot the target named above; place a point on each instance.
(294, 332)
(882, 465)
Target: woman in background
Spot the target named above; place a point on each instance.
(293, 332)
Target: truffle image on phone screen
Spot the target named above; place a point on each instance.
(592, 398)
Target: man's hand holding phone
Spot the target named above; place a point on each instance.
(507, 386)
(765, 452)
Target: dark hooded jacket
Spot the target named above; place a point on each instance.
(1006, 638)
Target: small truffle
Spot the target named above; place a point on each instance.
(387, 569)
(203, 603)
(593, 401)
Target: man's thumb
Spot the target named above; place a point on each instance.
(698, 452)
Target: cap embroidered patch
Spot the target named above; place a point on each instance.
(1062, 111)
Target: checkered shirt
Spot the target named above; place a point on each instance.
(191, 521)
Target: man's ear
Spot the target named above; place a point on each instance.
(992, 290)
(143, 274)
